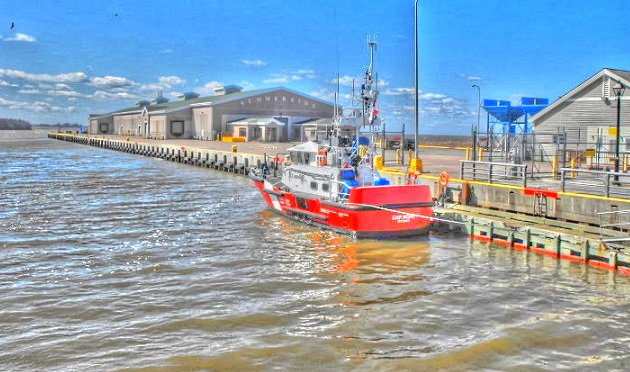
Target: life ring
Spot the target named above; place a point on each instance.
(444, 177)
(412, 178)
(322, 155)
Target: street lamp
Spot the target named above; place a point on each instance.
(619, 89)
(478, 110)
(415, 54)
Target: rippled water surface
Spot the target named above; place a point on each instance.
(111, 261)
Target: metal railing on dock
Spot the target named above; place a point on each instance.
(619, 220)
(595, 182)
(491, 172)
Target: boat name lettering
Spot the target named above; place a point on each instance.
(402, 218)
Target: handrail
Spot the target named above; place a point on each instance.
(614, 223)
(493, 172)
(602, 182)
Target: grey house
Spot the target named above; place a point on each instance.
(583, 121)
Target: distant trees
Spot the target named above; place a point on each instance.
(14, 124)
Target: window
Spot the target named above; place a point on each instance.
(242, 132)
(313, 185)
(325, 187)
(558, 138)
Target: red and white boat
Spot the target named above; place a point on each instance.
(335, 185)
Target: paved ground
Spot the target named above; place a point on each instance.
(434, 160)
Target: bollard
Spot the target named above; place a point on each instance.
(415, 166)
(572, 167)
(378, 162)
(234, 148)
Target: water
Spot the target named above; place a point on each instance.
(115, 262)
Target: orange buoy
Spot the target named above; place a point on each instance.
(444, 177)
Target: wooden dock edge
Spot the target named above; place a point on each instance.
(575, 243)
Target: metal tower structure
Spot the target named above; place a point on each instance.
(508, 127)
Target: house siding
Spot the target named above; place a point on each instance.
(579, 117)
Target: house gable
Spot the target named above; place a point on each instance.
(594, 91)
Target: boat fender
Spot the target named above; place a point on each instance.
(412, 178)
(322, 155)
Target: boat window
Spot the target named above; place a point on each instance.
(325, 187)
(299, 158)
(306, 157)
(313, 185)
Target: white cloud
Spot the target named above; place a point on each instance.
(285, 77)
(171, 80)
(398, 92)
(344, 80)
(73, 77)
(100, 95)
(256, 62)
(111, 81)
(63, 93)
(29, 91)
(276, 80)
(62, 87)
(348, 81)
(21, 37)
(35, 106)
(208, 88)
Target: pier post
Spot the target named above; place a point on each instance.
(584, 250)
(527, 238)
(557, 244)
(612, 260)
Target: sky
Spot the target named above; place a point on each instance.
(61, 61)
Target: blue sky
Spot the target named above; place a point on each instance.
(64, 60)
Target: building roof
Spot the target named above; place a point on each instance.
(621, 76)
(168, 107)
(322, 121)
(257, 122)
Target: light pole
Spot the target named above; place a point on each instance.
(479, 108)
(415, 55)
(619, 89)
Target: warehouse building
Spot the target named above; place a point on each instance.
(268, 115)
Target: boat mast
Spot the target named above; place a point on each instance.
(369, 96)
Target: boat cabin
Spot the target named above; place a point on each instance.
(313, 170)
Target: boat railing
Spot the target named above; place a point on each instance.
(337, 191)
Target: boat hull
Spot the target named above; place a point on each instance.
(381, 212)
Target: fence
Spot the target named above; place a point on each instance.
(594, 182)
(503, 173)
